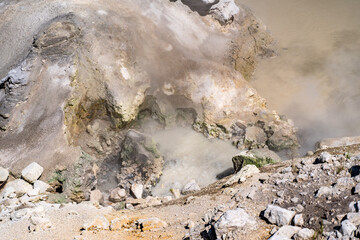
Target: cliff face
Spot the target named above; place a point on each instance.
(75, 73)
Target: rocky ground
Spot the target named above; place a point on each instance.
(315, 197)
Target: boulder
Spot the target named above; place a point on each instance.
(42, 186)
(4, 174)
(298, 220)
(18, 186)
(237, 219)
(117, 195)
(97, 223)
(96, 197)
(304, 234)
(287, 231)
(152, 224)
(190, 187)
(324, 158)
(347, 228)
(242, 175)
(137, 190)
(32, 172)
(277, 215)
(257, 157)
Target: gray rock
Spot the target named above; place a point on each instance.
(190, 187)
(4, 174)
(42, 186)
(224, 10)
(18, 186)
(323, 191)
(137, 190)
(354, 218)
(357, 189)
(347, 228)
(298, 220)
(242, 175)
(304, 234)
(234, 219)
(117, 195)
(278, 215)
(287, 231)
(32, 172)
(96, 197)
(324, 157)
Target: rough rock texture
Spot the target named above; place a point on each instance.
(140, 161)
(76, 64)
(32, 172)
(278, 215)
(4, 174)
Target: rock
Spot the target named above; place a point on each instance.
(152, 224)
(42, 186)
(32, 172)
(323, 191)
(175, 192)
(119, 223)
(279, 237)
(287, 231)
(33, 192)
(324, 157)
(278, 215)
(357, 188)
(190, 187)
(337, 142)
(4, 174)
(298, 220)
(304, 234)
(40, 223)
(18, 186)
(242, 175)
(234, 219)
(354, 218)
(137, 190)
(96, 197)
(255, 137)
(97, 223)
(257, 157)
(141, 161)
(117, 195)
(347, 228)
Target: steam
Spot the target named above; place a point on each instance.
(315, 80)
(189, 155)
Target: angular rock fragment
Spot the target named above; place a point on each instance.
(190, 187)
(277, 215)
(32, 172)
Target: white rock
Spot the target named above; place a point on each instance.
(347, 228)
(18, 186)
(190, 187)
(4, 174)
(304, 234)
(42, 186)
(354, 218)
(96, 197)
(324, 157)
(279, 237)
(243, 174)
(137, 190)
(298, 220)
(33, 192)
(237, 218)
(323, 191)
(287, 231)
(224, 10)
(97, 223)
(117, 195)
(32, 172)
(279, 216)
